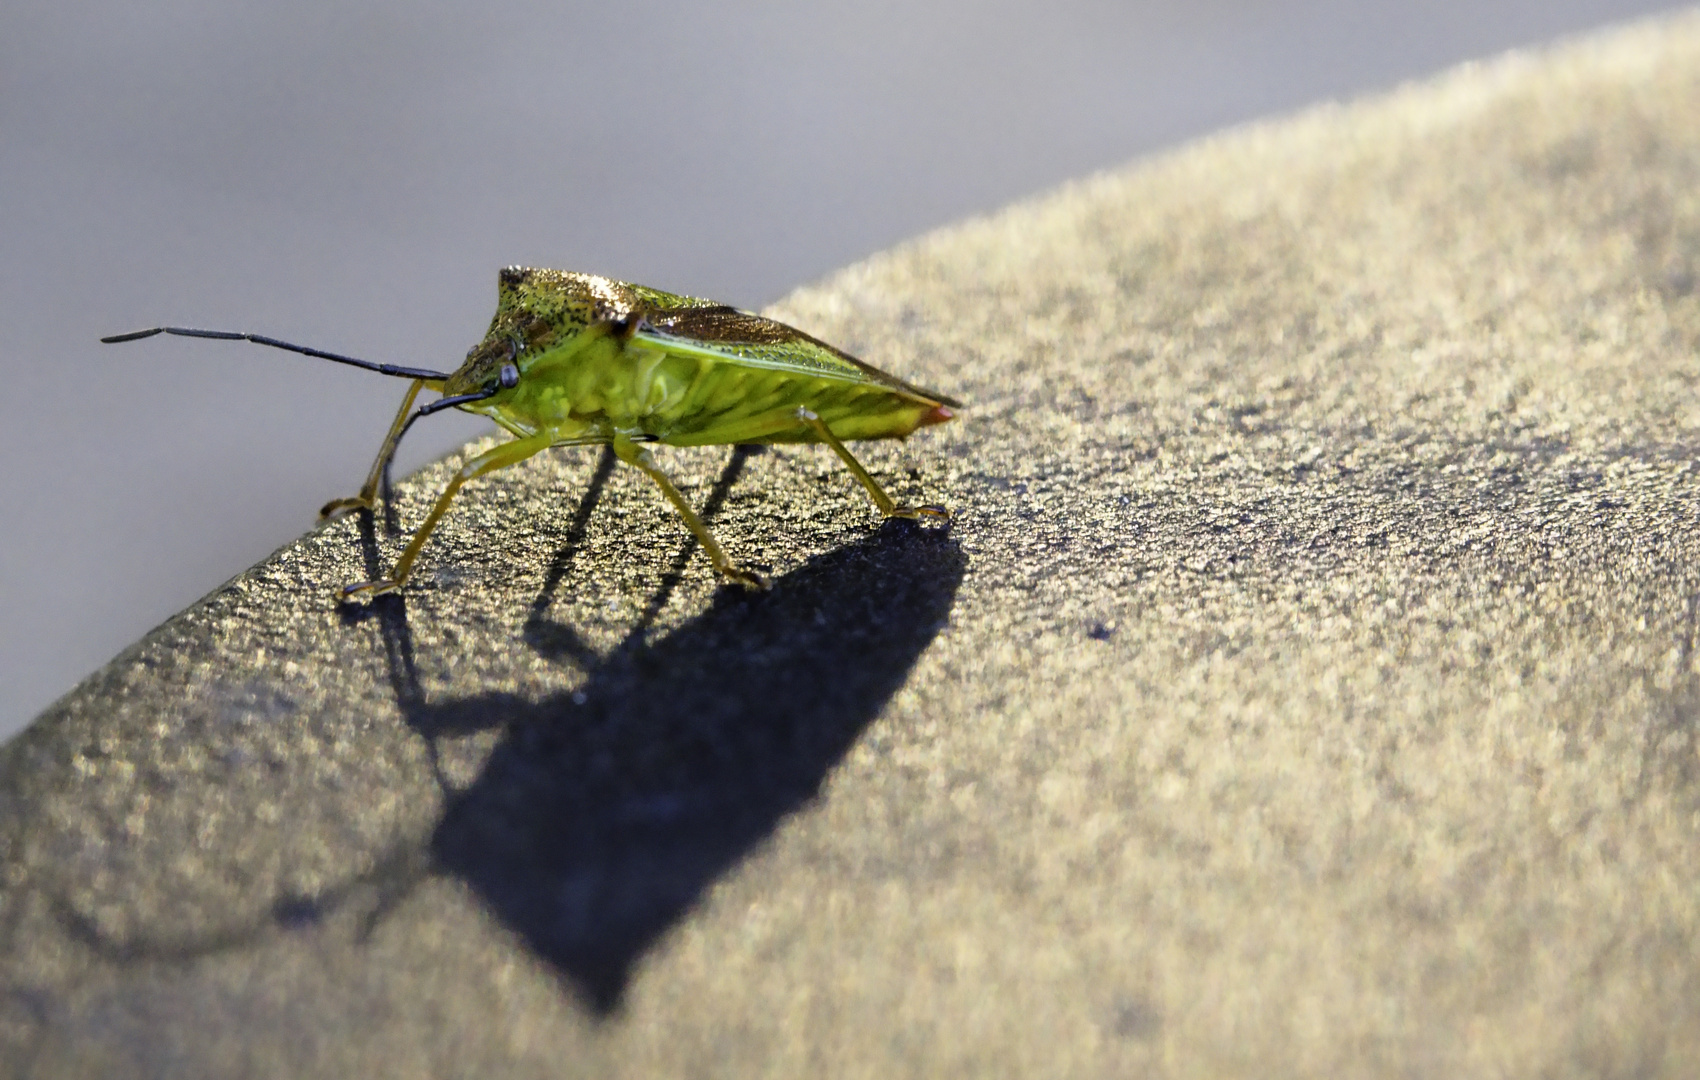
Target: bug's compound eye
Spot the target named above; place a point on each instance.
(508, 377)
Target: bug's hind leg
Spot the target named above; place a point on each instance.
(633, 454)
(881, 499)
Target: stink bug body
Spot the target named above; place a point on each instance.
(575, 359)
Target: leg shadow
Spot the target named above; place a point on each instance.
(603, 814)
(548, 638)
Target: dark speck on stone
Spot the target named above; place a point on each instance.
(297, 911)
(1135, 1018)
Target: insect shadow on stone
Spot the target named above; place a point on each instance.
(599, 812)
(577, 360)
(605, 811)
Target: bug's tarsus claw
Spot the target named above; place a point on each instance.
(340, 507)
(749, 579)
(921, 513)
(362, 591)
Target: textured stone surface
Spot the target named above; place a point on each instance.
(1308, 686)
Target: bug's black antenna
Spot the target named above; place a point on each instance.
(261, 339)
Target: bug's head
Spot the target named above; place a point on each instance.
(492, 365)
(527, 324)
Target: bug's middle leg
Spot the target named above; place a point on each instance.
(885, 503)
(633, 454)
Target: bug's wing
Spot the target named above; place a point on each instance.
(719, 332)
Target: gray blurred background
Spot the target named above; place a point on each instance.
(351, 176)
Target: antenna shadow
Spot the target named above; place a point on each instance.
(603, 814)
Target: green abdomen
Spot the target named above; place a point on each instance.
(600, 386)
(727, 402)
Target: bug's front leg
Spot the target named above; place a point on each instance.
(508, 453)
(887, 507)
(368, 497)
(633, 454)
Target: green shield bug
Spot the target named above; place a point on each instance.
(575, 360)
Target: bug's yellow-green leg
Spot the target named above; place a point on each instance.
(368, 497)
(633, 454)
(881, 499)
(508, 453)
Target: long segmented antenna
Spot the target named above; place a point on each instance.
(261, 339)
